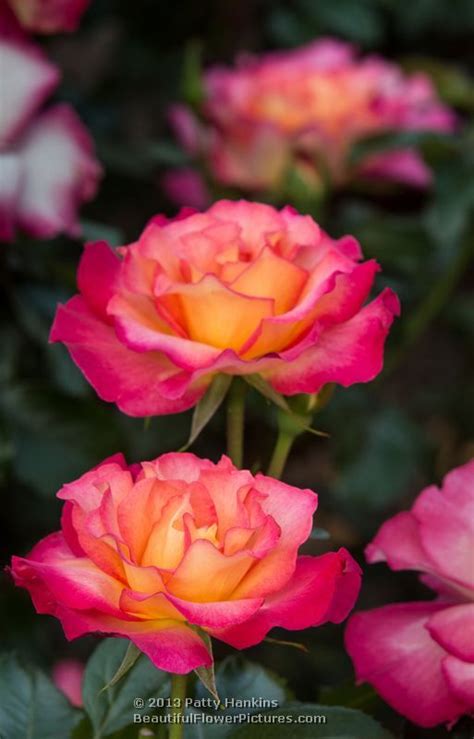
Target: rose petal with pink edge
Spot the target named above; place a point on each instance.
(310, 598)
(405, 166)
(453, 629)
(133, 381)
(345, 354)
(98, 270)
(446, 524)
(392, 650)
(60, 172)
(27, 80)
(220, 614)
(398, 543)
(74, 582)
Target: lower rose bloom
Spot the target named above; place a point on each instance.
(420, 656)
(239, 289)
(152, 551)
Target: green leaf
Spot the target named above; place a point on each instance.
(31, 707)
(318, 534)
(206, 674)
(113, 709)
(263, 387)
(330, 722)
(207, 406)
(239, 679)
(131, 656)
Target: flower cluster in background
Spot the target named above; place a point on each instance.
(302, 111)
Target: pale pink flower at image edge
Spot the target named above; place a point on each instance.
(46, 156)
(420, 656)
(151, 550)
(289, 302)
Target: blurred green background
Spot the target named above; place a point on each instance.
(387, 440)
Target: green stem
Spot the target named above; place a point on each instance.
(235, 421)
(280, 454)
(178, 694)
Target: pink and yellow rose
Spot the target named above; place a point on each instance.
(304, 110)
(240, 289)
(46, 158)
(420, 656)
(158, 551)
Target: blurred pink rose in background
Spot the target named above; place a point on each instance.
(67, 676)
(420, 656)
(242, 288)
(154, 550)
(288, 109)
(46, 157)
(43, 16)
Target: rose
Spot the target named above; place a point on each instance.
(46, 159)
(159, 550)
(306, 108)
(43, 16)
(240, 289)
(420, 656)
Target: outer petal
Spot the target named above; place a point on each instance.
(453, 629)
(60, 172)
(27, 80)
(98, 270)
(460, 677)
(132, 380)
(406, 167)
(348, 353)
(172, 647)
(73, 582)
(392, 649)
(49, 16)
(322, 589)
(398, 543)
(292, 509)
(446, 525)
(220, 614)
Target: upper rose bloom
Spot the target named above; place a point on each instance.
(43, 16)
(305, 109)
(420, 656)
(46, 159)
(154, 550)
(240, 289)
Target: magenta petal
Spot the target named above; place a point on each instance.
(132, 380)
(347, 353)
(96, 275)
(220, 614)
(446, 524)
(398, 543)
(175, 648)
(392, 649)
(460, 677)
(453, 629)
(315, 594)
